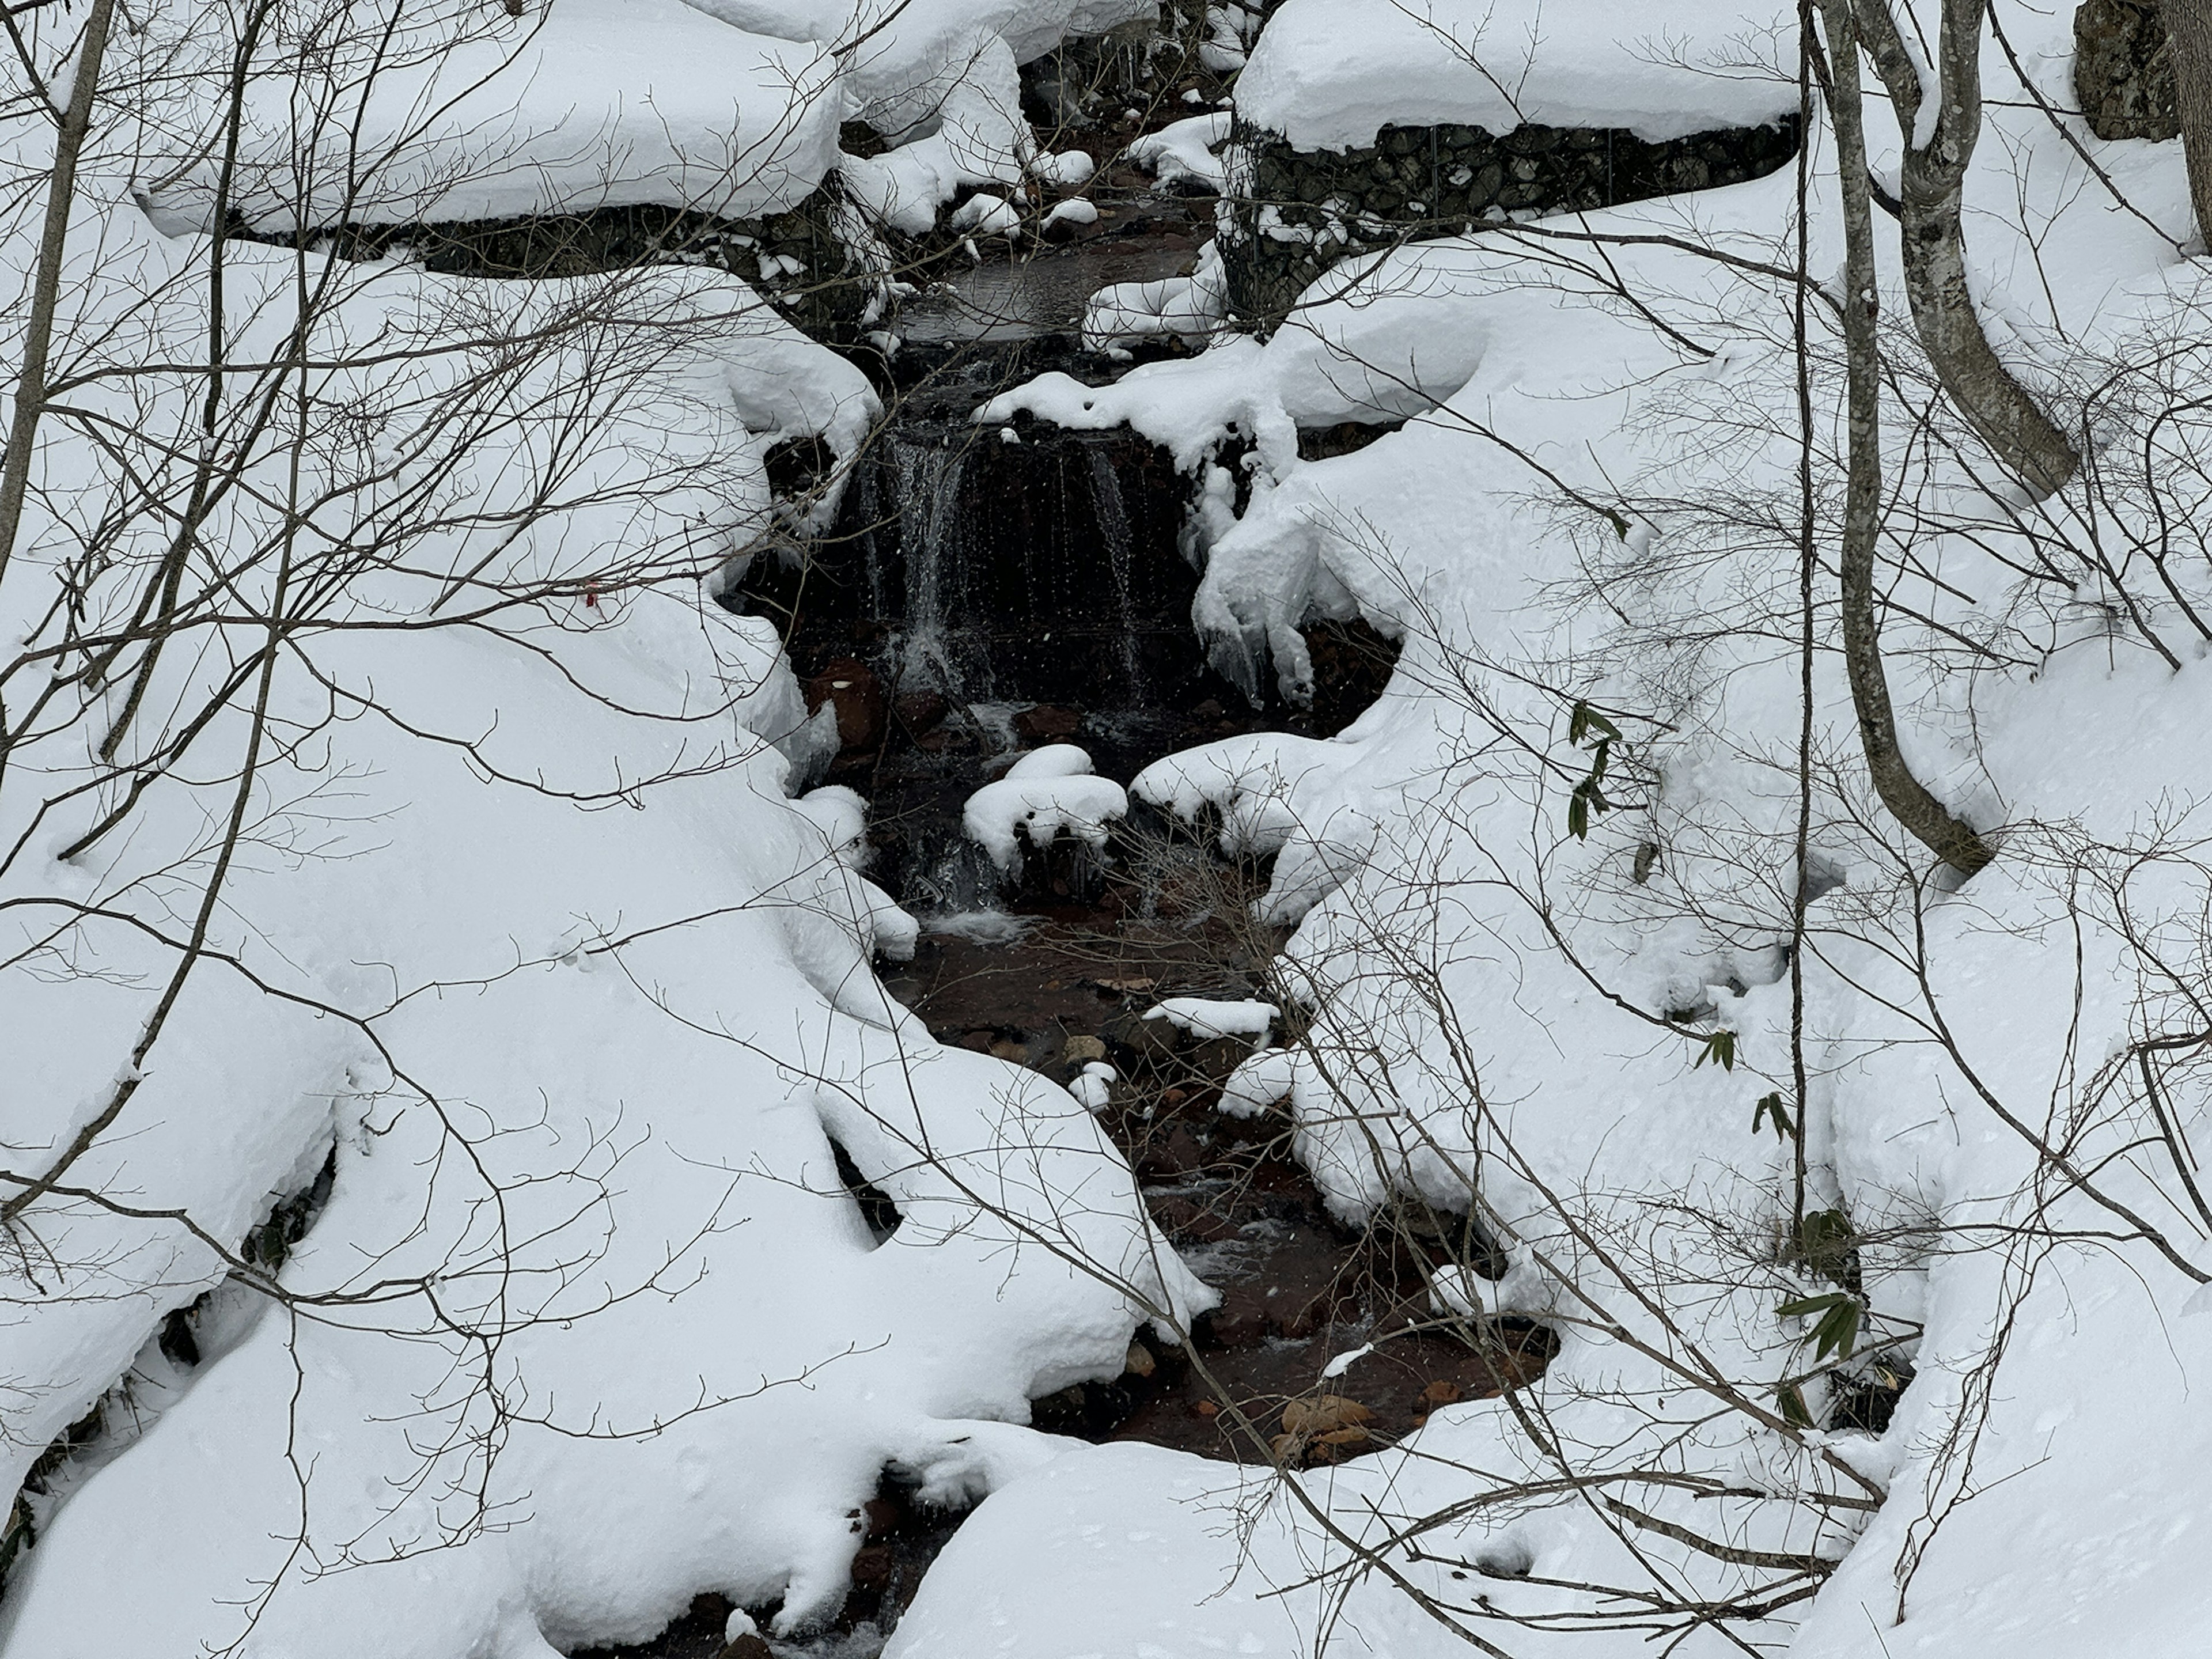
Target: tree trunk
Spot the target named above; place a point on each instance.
(1930, 187)
(1904, 794)
(2189, 40)
(47, 283)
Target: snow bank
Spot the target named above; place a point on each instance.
(472, 114)
(570, 994)
(1330, 74)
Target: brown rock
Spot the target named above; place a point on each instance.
(1325, 1414)
(1139, 1361)
(852, 686)
(1241, 1321)
(748, 1646)
(1012, 1049)
(883, 1515)
(1047, 720)
(1177, 1153)
(1218, 1057)
(980, 1041)
(920, 713)
(1079, 1050)
(871, 1567)
(1294, 1319)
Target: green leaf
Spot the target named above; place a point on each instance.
(1805, 1306)
(1826, 1244)
(1838, 1331)
(1772, 1103)
(1586, 720)
(1720, 1048)
(1791, 1399)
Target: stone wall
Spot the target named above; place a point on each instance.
(797, 259)
(1294, 213)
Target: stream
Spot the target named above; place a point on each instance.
(981, 596)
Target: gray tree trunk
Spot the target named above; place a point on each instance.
(2189, 40)
(1999, 408)
(1904, 794)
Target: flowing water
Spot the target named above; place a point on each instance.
(990, 590)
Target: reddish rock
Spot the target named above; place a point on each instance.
(871, 1567)
(884, 1518)
(1178, 1153)
(1048, 720)
(921, 712)
(1241, 1321)
(852, 686)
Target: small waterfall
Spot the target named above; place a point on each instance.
(1113, 520)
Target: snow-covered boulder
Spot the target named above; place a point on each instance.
(1047, 792)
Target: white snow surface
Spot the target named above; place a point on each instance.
(1423, 857)
(579, 104)
(1047, 792)
(1209, 1017)
(1330, 74)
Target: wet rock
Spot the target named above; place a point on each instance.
(748, 1646)
(1047, 720)
(871, 1567)
(920, 713)
(1187, 1220)
(1081, 1050)
(1241, 1321)
(1176, 1153)
(858, 695)
(1218, 1056)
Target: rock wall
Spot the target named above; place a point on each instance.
(799, 259)
(1292, 213)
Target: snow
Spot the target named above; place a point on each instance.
(1185, 149)
(1422, 857)
(1047, 792)
(1206, 1018)
(574, 992)
(1330, 74)
(583, 1003)
(473, 114)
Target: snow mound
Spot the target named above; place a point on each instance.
(473, 114)
(1331, 73)
(1047, 792)
(1207, 1018)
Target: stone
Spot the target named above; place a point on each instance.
(1139, 1361)
(1177, 1153)
(854, 689)
(871, 1567)
(1081, 1050)
(920, 713)
(1047, 720)
(748, 1646)
(1241, 1321)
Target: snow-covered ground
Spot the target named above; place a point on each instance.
(538, 935)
